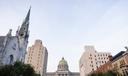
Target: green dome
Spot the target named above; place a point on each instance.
(63, 62)
(63, 65)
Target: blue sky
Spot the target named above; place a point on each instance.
(66, 26)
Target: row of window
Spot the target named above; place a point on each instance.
(32, 48)
(99, 62)
(31, 54)
(62, 74)
(100, 55)
(99, 58)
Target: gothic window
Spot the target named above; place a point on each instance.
(14, 46)
(11, 59)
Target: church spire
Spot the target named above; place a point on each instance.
(27, 17)
(23, 32)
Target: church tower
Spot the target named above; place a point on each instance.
(23, 35)
(13, 48)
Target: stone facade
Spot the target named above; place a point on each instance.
(91, 60)
(37, 56)
(63, 70)
(13, 48)
(117, 64)
(120, 63)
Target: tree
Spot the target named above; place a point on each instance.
(17, 69)
(109, 73)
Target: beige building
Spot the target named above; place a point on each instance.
(37, 57)
(63, 70)
(91, 60)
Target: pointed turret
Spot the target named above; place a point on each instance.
(23, 31)
(9, 33)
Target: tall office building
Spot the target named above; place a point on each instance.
(91, 60)
(13, 48)
(37, 57)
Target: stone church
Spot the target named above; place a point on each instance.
(63, 70)
(13, 48)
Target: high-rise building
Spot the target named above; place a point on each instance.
(91, 60)
(37, 56)
(63, 70)
(13, 48)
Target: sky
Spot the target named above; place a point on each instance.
(66, 26)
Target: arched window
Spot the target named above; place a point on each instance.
(11, 59)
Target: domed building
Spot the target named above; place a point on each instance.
(63, 70)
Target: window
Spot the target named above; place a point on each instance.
(92, 65)
(115, 66)
(91, 61)
(10, 59)
(39, 54)
(122, 62)
(40, 48)
(97, 67)
(90, 57)
(102, 61)
(90, 54)
(92, 69)
(96, 62)
(105, 61)
(106, 55)
(14, 46)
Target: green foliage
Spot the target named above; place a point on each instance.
(109, 73)
(17, 69)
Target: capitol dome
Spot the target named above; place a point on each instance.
(63, 65)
